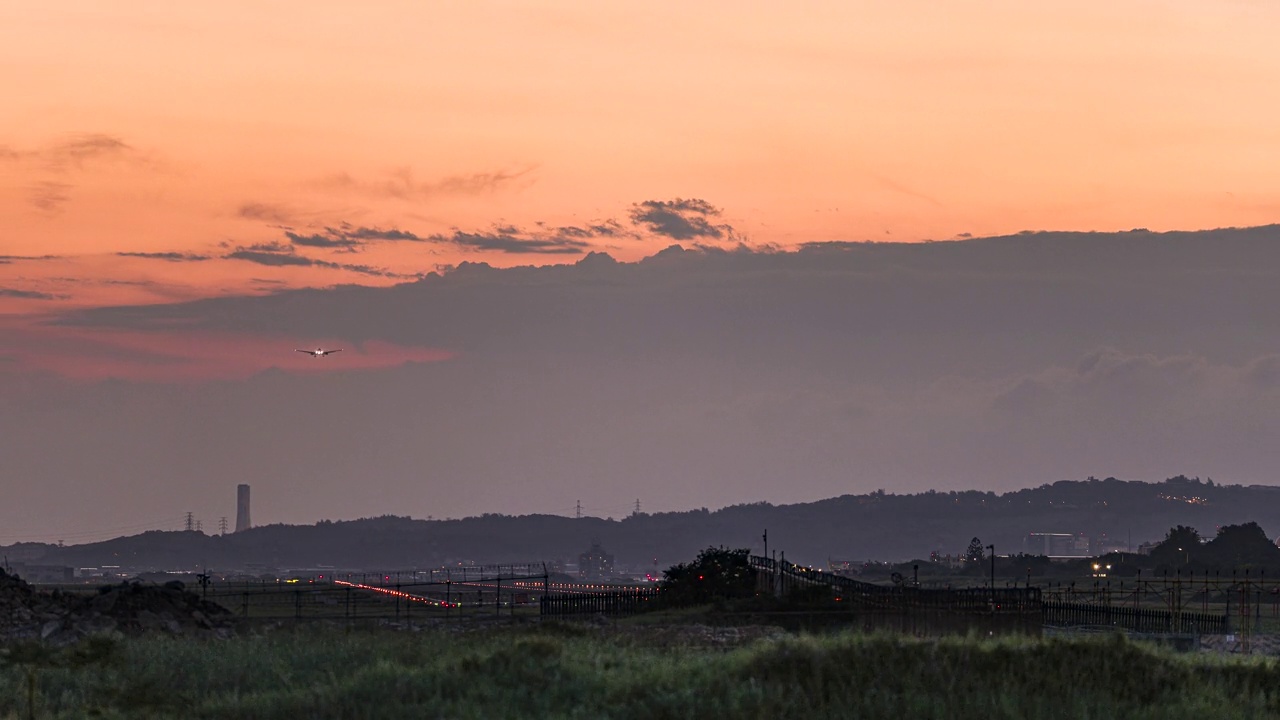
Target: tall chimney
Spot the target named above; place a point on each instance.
(242, 508)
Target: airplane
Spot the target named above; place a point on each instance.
(319, 353)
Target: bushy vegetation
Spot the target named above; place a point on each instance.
(1235, 546)
(716, 575)
(559, 671)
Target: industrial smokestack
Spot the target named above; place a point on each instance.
(242, 508)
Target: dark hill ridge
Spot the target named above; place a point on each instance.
(878, 525)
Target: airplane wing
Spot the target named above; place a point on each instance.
(304, 351)
(326, 352)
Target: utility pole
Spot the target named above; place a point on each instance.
(222, 525)
(992, 548)
(190, 523)
(766, 543)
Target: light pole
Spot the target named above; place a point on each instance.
(992, 548)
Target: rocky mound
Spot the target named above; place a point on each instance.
(130, 608)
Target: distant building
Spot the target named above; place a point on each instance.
(947, 559)
(25, 552)
(595, 564)
(242, 508)
(1056, 544)
(43, 574)
(1103, 545)
(844, 568)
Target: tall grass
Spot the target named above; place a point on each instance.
(559, 672)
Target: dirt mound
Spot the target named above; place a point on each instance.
(130, 608)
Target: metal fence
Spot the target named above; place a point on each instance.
(404, 595)
(1142, 620)
(1183, 604)
(619, 602)
(781, 577)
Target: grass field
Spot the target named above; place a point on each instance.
(557, 671)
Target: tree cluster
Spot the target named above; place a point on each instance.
(1235, 547)
(718, 573)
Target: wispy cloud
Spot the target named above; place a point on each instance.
(54, 163)
(275, 254)
(349, 238)
(80, 148)
(543, 239)
(273, 246)
(266, 212)
(510, 239)
(48, 196)
(72, 150)
(680, 219)
(271, 254)
(323, 240)
(365, 233)
(602, 229)
(170, 256)
(403, 183)
(274, 259)
(7, 259)
(29, 294)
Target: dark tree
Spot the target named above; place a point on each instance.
(1244, 545)
(975, 553)
(717, 573)
(1180, 546)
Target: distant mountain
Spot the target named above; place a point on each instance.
(878, 525)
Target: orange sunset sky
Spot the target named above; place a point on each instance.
(158, 152)
(144, 144)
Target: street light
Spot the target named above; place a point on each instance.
(992, 548)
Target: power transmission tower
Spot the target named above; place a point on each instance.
(190, 523)
(199, 527)
(637, 506)
(222, 526)
(578, 514)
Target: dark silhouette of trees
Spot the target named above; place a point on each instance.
(1236, 546)
(975, 553)
(1180, 546)
(1243, 546)
(716, 574)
